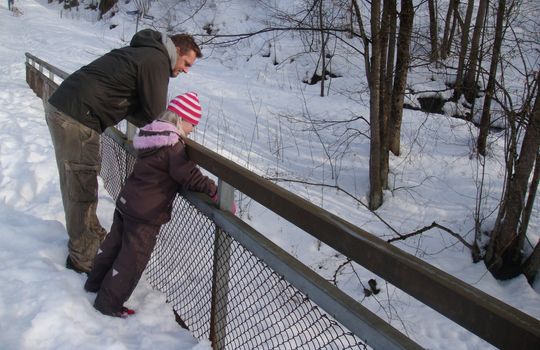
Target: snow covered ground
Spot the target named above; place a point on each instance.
(249, 105)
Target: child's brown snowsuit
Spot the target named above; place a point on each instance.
(143, 205)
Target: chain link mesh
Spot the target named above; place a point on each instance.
(196, 265)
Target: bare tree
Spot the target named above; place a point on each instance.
(406, 17)
(375, 181)
(323, 46)
(386, 92)
(463, 49)
(470, 85)
(433, 30)
(449, 28)
(386, 74)
(490, 89)
(504, 253)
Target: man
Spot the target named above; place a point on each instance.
(127, 83)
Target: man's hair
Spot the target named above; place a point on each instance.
(185, 43)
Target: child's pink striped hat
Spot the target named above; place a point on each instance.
(187, 107)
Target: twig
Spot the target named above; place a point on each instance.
(334, 279)
(276, 179)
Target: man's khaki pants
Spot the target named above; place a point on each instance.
(77, 150)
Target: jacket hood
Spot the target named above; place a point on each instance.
(160, 41)
(148, 38)
(156, 135)
(171, 50)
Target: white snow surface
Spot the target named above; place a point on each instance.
(251, 109)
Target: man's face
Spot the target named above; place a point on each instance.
(183, 62)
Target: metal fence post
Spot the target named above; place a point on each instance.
(220, 277)
(130, 131)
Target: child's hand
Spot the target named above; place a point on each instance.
(215, 199)
(233, 207)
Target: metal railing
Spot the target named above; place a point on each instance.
(213, 300)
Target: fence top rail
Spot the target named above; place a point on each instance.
(58, 72)
(480, 313)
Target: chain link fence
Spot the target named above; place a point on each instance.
(210, 279)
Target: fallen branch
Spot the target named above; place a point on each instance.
(424, 229)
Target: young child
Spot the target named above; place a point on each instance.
(145, 203)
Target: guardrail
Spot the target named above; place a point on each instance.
(487, 317)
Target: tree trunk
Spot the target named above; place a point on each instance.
(504, 254)
(532, 264)
(449, 26)
(406, 17)
(365, 40)
(455, 21)
(375, 190)
(323, 47)
(522, 234)
(105, 5)
(387, 101)
(511, 152)
(433, 30)
(373, 66)
(486, 118)
(386, 78)
(392, 19)
(470, 86)
(463, 50)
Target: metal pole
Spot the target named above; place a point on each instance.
(131, 130)
(220, 277)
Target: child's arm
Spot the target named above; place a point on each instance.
(186, 173)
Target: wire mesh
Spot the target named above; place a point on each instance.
(116, 165)
(211, 280)
(181, 266)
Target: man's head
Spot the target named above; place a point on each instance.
(187, 51)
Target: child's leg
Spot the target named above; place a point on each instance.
(138, 242)
(106, 254)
